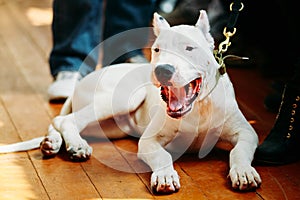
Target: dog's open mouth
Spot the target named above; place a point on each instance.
(179, 100)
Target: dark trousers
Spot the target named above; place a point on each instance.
(78, 29)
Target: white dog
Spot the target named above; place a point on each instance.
(180, 102)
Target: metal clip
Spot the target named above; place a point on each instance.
(220, 60)
(240, 9)
(223, 46)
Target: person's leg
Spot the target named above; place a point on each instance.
(282, 144)
(120, 16)
(76, 32)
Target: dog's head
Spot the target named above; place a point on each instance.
(183, 63)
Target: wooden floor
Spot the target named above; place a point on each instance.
(25, 113)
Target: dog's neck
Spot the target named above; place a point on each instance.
(214, 72)
(212, 83)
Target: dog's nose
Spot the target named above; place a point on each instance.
(164, 73)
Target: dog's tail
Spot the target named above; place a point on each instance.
(22, 146)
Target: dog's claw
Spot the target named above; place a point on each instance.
(165, 181)
(80, 153)
(244, 178)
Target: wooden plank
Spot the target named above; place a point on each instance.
(34, 18)
(251, 89)
(122, 194)
(19, 100)
(64, 179)
(281, 182)
(38, 41)
(111, 173)
(26, 113)
(18, 178)
(7, 130)
(29, 115)
(30, 61)
(123, 152)
(115, 184)
(189, 190)
(210, 174)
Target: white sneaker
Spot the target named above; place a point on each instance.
(137, 59)
(63, 86)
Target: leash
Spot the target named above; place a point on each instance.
(229, 30)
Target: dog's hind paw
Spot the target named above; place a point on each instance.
(244, 178)
(80, 152)
(50, 146)
(165, 181)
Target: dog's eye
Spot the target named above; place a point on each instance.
(156, 49)
(190, 48)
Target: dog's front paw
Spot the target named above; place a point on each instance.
(244, 177)
(165, 181)
(79, 151)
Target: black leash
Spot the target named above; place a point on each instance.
(229, 30)
(235, 8)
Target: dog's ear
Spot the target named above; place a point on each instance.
(159, 23)
(203, 25)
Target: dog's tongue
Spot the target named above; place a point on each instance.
(176, 98)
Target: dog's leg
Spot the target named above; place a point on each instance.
(70, 127)
(164, 178)
(243, 176)
(52, 142)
